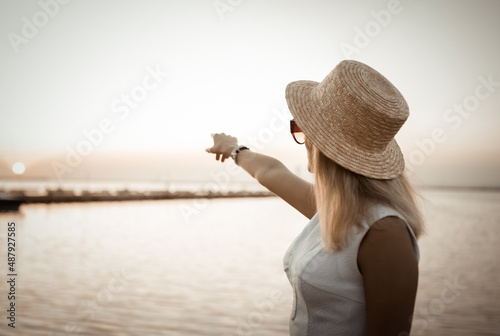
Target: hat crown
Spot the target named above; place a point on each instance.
(352, 117)
(361, 105)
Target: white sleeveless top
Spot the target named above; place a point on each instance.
(328, 291)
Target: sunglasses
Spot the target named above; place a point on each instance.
(297, 134)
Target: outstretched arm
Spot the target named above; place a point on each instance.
(269, 172)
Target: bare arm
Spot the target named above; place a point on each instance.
(269, 172)
(389, 266)
(273, 175)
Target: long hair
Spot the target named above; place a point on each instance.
(343, 196)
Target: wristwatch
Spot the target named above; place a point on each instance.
(235, 151)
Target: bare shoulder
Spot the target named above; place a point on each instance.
(389, 240)
(388, 229)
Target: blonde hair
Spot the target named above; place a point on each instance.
(343, 196)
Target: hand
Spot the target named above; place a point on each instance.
(223, 146)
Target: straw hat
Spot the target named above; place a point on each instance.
(352, 117)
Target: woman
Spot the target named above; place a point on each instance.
(354, 267)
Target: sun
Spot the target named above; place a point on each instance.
(18, 168)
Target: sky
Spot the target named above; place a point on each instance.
(86, 81)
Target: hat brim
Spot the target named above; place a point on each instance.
(327, 136)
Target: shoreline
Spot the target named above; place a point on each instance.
(11, 201)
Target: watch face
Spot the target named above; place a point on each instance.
(234, 153)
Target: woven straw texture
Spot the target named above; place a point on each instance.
(352, 117)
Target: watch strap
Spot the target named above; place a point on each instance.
(235, 151)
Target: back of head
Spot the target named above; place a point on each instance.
(350, 120)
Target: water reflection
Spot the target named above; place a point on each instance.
(139, 268)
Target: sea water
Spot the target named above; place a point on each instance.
(214, 267)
